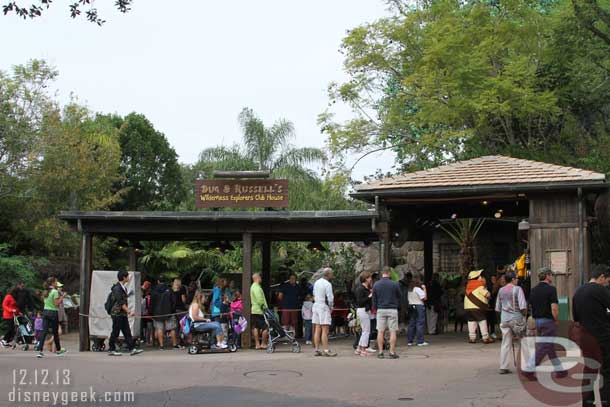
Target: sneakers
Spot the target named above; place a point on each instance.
(488, 341)
(329, 353)
(371, 350)
(504, 371)
(307, 342)
(317, 353)
(177, 347)
(222, 345)
(494, 336)
(114, 353)
(410, 344)
(394, 356)
(135, 352)
(4, 344)
(357, 352)
(40, 355)
(61, 352)
(423, 344)
(380, 356)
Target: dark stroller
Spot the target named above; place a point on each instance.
(24, 332)
(277, 334)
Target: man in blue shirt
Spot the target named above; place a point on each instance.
(386, 300)
(289, 302)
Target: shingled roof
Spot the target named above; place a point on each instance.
(492, 171)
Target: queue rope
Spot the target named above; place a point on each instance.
(80, 314)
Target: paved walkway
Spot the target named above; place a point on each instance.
(450, 372)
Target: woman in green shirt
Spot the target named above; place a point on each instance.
(50, 317)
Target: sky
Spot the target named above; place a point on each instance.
(191, 68)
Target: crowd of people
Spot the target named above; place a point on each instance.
(380, 304)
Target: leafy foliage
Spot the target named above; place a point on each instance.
(270, 148)
(449, 80)
(152, 179)
(17, 268)
(77, 8)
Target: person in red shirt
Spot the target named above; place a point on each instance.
(9, 309)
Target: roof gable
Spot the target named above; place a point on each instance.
(493, 170)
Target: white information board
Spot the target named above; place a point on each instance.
(100, 323)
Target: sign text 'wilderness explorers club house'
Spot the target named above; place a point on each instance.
(247, 193)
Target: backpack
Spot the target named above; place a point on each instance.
(109, 302)
(185, 324)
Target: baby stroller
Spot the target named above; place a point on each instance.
(277, 334)
(205, 341)
(24, 332)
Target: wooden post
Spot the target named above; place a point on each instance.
(428, 256)
(246, 281)
(133, 260)
(266, 274)
(85, 289)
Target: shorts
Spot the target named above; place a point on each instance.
(164, 324)
(321, 315)
(387, 319)
(258, 322)
(290, 318)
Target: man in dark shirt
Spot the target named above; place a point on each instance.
(545, 311)
(590, 307)
(120, 313)
(289, 301)
(386, 300)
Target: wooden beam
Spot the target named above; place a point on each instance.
(85, 289)
(266, 269)
(246, 282)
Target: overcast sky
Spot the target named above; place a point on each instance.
(191, 67)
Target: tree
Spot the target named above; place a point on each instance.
(269, 148)
(34, 10)
(77, 168)
(450, 80)
(595, 17)
(152, 176)
(23, 103)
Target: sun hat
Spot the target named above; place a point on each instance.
(473, 275)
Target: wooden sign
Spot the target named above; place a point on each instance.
(245, 193)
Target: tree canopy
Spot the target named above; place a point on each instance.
(449, 80)
(77, 9)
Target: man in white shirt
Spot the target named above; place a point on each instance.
(323, 303)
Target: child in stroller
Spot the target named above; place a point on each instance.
(202, 330)
(277, 334)
(24, 332)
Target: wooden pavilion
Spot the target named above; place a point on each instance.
(553, 203)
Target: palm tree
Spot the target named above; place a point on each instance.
(268, 148)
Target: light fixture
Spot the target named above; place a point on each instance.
(485, 203)
(316, 246)
(454, 216)
(524, 225)
(498, 215)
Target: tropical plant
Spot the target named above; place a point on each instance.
(464, 232)
(268, 148)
